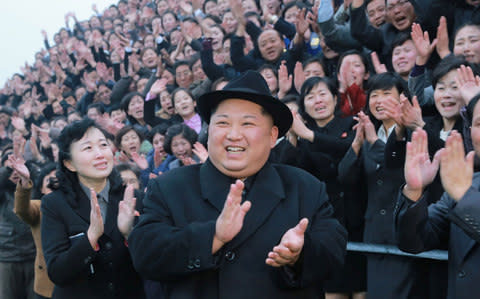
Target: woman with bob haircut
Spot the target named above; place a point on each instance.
(387, 276)
(180, 142)
(87, 219)
(321, 141)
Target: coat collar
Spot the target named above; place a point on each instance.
(265, 194)
(80, 202)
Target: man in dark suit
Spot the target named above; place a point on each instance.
(452, 220)
(238, 226)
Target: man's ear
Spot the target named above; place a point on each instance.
(68, 164)
(273, 136)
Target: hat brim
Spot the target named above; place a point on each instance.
(281, 114)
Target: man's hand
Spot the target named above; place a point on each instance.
(290, 247)
(456, 170)
(419, 170)
(230, 221)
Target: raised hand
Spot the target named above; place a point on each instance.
(18, 165)
(467, 83)
(284, 80)
(290, 247)
(140, 160)
(300, 129)
(368, 127)
(298, 76)
(200, 151)
(442, 38)
(302, 23)
(230, 221)
(377, 65)
(456, 170)
(421, 40)
(95, 230)
(159, 86)
(419, 170)
(359, 136)
(127, 212)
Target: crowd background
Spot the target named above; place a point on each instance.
(359, 76)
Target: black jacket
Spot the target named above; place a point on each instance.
(74, 267)
(173, 240)
(421, 227)
(16, 241)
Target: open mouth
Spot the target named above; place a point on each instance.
(401, 20)
(402, 64)
(320, 109)
(448, 104)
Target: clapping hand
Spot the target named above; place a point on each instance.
(419, 170)
(456, 170)
(127, 212)
(95, 230)
(290, 247)
(230, 221)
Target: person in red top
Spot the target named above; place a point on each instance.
(352, 74)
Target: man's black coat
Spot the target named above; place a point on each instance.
(173, 239)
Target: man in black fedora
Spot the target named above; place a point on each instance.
(238, 226)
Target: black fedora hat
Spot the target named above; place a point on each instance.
(252, 87)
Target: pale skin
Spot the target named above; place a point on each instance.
(456, 171)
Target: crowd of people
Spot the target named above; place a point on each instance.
(383, 103)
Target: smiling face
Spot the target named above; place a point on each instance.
(130, 143)
(135, 107)
(270, 45)
(403, 58)
(91, 157)
(377, 100)
(241, 135)
(448, 98)
(184, 104)
(180, 147)
(400, 13)
(376, 12)
(467, 43)
(320, 104)
(217, 37)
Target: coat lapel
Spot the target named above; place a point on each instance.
(80, 204)
(214, 185)
(266, 193)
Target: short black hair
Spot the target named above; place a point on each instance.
(179, 129)
(385, 81)
(316, 59)
(127, 98)
(125, 130)
(158, 129)
(307, 86)
(70, 134)
(446, 65)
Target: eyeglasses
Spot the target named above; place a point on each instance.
(399, 4)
